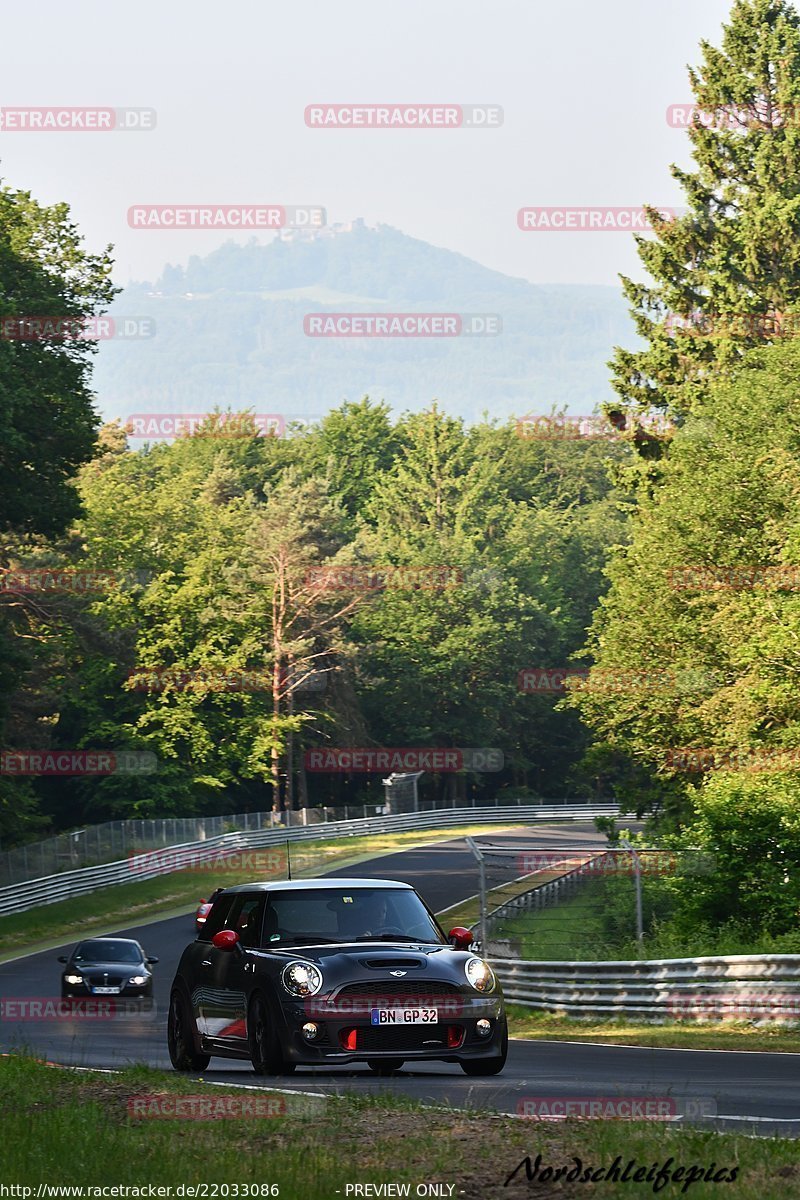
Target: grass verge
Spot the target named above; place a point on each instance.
(730, 1035)
(61, 1127)
(180, 892)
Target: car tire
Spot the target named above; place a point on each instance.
(180, 1037)
(262, 1040)
(489, 1066)
(385, 1066)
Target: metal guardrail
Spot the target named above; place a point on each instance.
(760, 988)
(112, 840)
(52, 888)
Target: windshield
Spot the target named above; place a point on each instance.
(110, 951)
(338, 915)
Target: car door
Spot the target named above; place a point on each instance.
(202, 962)
(230, 972)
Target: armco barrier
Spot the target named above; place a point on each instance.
(749, 987)
(50, 889)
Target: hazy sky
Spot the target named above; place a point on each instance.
(584, 88)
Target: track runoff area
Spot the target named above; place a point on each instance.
(747, 1091)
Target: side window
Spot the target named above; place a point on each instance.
(246, 917)
(216, 918)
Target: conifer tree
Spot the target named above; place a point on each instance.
(726, 273)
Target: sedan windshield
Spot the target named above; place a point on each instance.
(338, 915)
(110, 951)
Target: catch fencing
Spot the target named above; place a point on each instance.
(746, 987)
(112, 840)
(63, 886)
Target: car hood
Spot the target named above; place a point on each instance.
(365, 960)
(110, 968)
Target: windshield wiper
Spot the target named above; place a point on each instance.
(388, 937)
(302, 937)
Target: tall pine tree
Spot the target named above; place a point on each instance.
(736, 250)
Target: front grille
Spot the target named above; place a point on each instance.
(100, 980)
(421, 989)
(393, 1037)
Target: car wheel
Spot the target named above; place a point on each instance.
(262, 1041)
(385, 1066)
(180, 1041)
(489, 1066)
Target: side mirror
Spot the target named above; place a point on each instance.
(63, 958)
(226, 939)
(460, 938)
(151, 961)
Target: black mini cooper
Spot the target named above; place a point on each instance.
(326, 972)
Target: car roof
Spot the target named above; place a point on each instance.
(132, 941)
(294, 885)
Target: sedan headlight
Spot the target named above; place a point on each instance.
(138, 980)
(302, 979)
(73, 979)
(480, 975)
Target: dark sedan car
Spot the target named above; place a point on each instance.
(326, 972)
(107, 967)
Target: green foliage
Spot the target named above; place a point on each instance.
(736, 249)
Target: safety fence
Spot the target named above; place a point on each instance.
(212, 850)
(111, 840)
(538, 896)
(745, 987)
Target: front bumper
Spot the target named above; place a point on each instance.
(347, 1037)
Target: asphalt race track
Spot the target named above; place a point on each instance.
(750, 1092)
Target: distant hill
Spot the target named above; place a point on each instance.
(229, 331)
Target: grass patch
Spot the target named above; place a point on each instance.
(730, 1035)
(62, 1127)
(128, 904)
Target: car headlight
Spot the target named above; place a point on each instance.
(73, 979)
(138, 980)
(480, 975)
(302, 979)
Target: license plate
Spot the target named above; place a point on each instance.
(105, 991)
(404, 1016)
